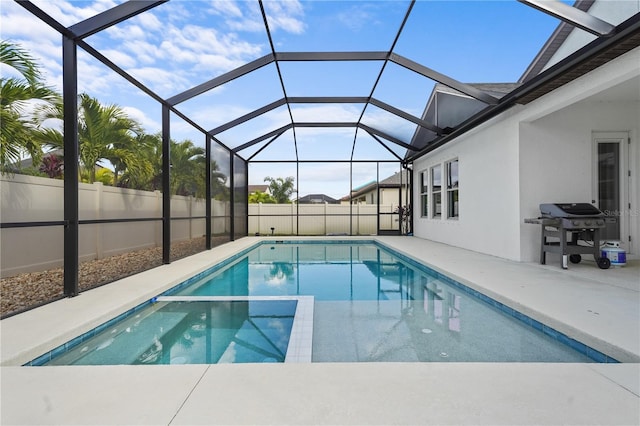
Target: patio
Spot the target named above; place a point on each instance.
(598, 307)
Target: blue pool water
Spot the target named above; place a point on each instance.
(370, 304)
(202, 332)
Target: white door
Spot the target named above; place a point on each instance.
(611, 184)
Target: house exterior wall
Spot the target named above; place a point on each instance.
(535, 153)
(389, 196)
(563, 143)
(488, 188)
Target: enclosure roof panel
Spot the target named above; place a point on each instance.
(251, 72)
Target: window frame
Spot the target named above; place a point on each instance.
(424, 193)
(436, 190)
(453, 190)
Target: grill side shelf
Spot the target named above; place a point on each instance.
(546, 221)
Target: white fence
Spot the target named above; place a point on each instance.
(35, 199)
(317, 219)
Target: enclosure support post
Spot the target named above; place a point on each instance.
(232, 198)
(298, 198)
(245, 197)
(207, 196)
(71, 181)
(377, 198)
(166, 186)
(350, 198)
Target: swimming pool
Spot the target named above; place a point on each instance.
(369, 303)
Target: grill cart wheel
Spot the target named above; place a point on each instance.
(603, 263)
(575, 258)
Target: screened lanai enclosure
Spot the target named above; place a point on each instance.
(340, 97)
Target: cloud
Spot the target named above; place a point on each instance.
(141, 117)
(163, 82)
(359, 16)
(145, 52)
(228, 9)
(246, 16)
(69, 12)
(122, 59)
(285, 15)
(326, 113)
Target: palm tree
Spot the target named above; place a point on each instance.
(281, 189)
(106, 133)
(16, 96)
(219, 188)
(149, 149)
(187, 169)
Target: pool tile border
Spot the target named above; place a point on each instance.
(576, 345)
(48, 356)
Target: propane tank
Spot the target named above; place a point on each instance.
(616, 255)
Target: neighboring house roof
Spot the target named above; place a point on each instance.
(392, 181)
(28, 162)
(317, 199)
(260, 188)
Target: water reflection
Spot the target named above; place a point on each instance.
(193, 333)
(371, 305)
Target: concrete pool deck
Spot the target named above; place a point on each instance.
(601, 308)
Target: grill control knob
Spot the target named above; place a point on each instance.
(575, 222)
(600, 222)
(587, 223)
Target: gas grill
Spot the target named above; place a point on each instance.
(581, 221)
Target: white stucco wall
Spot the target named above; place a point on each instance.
(556, 142)
(488, 173)
(534, 153)
(556, 157)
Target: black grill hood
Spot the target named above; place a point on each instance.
(570, 210)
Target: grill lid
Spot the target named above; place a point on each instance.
(570, 210)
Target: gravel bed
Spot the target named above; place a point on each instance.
(32, 289)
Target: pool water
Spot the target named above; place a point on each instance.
(196, 332)
(369, 304)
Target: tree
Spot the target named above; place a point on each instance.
(261, 197)
(105, 132)
(149, 148)
(281, 189)
(187, 169)
(17, 96)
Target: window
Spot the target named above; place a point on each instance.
(424, 194)
(452, 189)
(436, 190)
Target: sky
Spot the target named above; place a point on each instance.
(183, 43)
